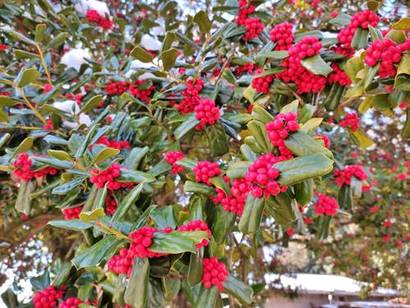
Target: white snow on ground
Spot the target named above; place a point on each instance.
(150, 43)
(75, 58)
(84, 5)
(70, 107)
(318, 283)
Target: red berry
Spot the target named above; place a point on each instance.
(71, 302)
(344, 176)
(352, 121)
(141, 91)
(190, 96)
(47, 298)
(197, 225)
(261, 176)
(326, 205)
(72, 212)
(282, 35)
(204, 170)
(141, 240)
(207, 113)
(214, 273)
(171, 158)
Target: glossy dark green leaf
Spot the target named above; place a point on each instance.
(141, 54)
(104, 154)
(280, 208)
(127, 202)
(177, 241)
(68, 186)
(259, 113)
(194, 187)
(258, 131)
(207, 298)
(238, 169)
(168, 58)
(72, 224)
(23, 201)
(26, 76)
(303, 144)
(93, 255)
(61, 155)
(217, 140)
(134, 157)
(302, 168)
(317, 65)
(54, 162)
(201, 18)
(92, 103)
(24, 146)
(136, 176)
(136, 293)
(344, 197)
(40, 282)
(252, 215)
(171, 287)
(304, 191)
(238, 289)
(58, 40)
(185, 127)
(194, 269)
(63, 272)
(164, 217)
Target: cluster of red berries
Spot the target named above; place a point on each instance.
(197, 225)
(305, 81)
(141, 90)
(108, 176)
(363, 20)
(351, 120)
(110, 205)
(71, 302)
(338, 76)
(22, 169)
(113, 88)
(49, 125)
(387, 53)
(262, 84)
(207, 113)
(344, 176)
(47, 298)
(141, 240)
(72, 212)
(190, 96)
(77, 98)
(253, 25)
(171, 158)
(235, 201)
(309, 46)
(262, 176)
(244, 68)
(214, 273)
(3, 47)
(102, 21)
(325, 139)
(121, 263)
(119, 145)
(282, 35)
(326, 205)
(47, 88)
(279, 129)
(204, 170)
